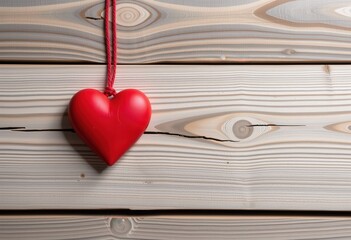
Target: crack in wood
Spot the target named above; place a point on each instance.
(187, 136)
(94, 18)
(12, 128)
(23, 129)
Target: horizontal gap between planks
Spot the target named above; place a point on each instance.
(204, 212)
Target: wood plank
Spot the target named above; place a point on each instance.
(178, 31)
(221, 137)
(174, 227)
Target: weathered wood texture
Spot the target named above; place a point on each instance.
(177, 30)
(221, 137)
(174, 227)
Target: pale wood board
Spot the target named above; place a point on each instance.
(174, 227)
(178, 31)
(221, 137)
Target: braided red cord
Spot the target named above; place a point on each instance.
(111, 62)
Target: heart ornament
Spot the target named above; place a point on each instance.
(109, 126)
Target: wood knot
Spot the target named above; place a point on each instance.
(131, 15)
(242, 129)
(120, 226)
(289, 51)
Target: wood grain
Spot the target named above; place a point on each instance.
(178, 31)
(221, 137)
(174, 227)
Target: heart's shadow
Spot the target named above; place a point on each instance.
(78, 145)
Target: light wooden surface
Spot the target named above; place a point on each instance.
(177, 30)
(221, 137)
(174, 227)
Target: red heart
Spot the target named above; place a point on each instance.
(109, 126)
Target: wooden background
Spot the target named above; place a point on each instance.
(222, 136)
(162, 227)
(178, 31)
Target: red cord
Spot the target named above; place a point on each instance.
(111, 62)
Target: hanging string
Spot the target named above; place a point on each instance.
(111, 60)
